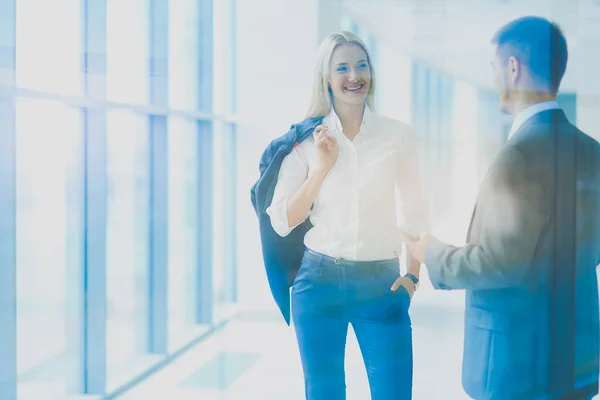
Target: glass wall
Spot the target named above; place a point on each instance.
(89, 106)
(128, 192)
(49, 59)
(47, 135)
(47, 140)
(224, 233)
(184, 50)
(127, 241)
(127, 51)
(183, 188)
(183, 174)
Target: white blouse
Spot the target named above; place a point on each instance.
(354, 215)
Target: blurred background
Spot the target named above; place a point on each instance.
(130, 135)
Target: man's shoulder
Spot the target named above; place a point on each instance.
(547, 134)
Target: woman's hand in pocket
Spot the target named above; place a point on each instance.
(406, 283)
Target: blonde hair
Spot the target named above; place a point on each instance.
(322, 97)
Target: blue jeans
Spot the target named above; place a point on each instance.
(327, 295)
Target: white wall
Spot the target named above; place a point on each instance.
(394, 83)
(330, 20)
(276, 46)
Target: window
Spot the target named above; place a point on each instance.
(53, 320)
(127, 243)
(183, 187)
(127, 48)
(183, 54)
(223, 57)
(47, 143)
(48, 42)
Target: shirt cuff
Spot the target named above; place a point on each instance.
(279, 218)
(433, 260)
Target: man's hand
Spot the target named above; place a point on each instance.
(417, 247)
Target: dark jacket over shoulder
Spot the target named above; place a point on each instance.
(282, 255)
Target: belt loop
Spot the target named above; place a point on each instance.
(320, 257)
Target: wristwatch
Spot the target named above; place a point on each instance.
(414, 279)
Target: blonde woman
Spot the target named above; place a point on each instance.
(343, 178)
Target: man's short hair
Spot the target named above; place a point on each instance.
(538, 44)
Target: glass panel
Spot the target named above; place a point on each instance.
(218, 212)
(223, 57)
(228, 293)
(48, 136)
(127, 242)
(183, 54)
(49, 59)
(223, 218)
(183, 172)
(127, 48)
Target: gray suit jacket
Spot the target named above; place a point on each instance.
(529, 267)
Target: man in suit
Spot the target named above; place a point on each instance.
(529, 265)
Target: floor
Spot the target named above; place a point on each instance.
(255, 357)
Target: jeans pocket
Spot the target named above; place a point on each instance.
(388, 274)
(391, 305)
(310, 272)
(403, 296)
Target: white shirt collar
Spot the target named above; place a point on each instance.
(529, 112)
(332, 118)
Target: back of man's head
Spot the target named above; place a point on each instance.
(537, 44)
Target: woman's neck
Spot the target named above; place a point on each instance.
(351, 117)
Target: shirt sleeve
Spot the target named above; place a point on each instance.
(408, 180)
(292, 174)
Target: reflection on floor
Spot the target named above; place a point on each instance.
(255, 358)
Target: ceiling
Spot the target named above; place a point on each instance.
(454, 35)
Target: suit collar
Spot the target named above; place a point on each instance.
(529, 112)
(552, 116)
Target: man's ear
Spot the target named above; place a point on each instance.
(514, 69)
